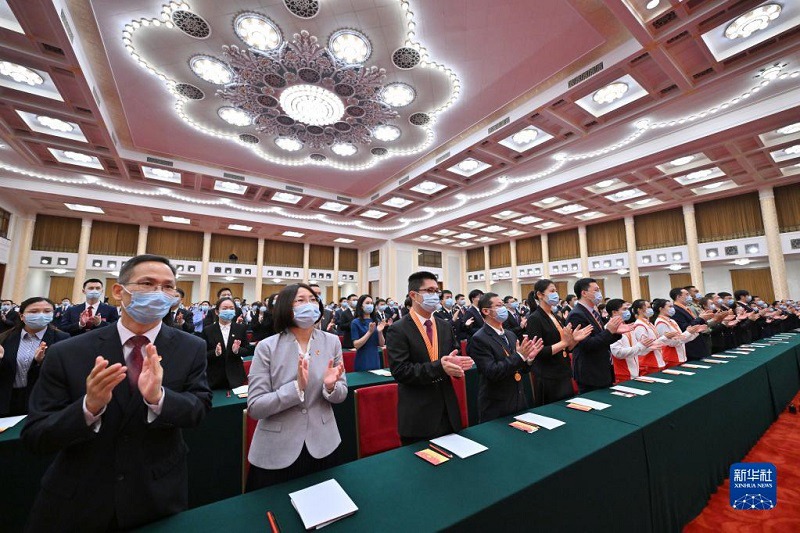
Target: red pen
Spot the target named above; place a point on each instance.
(228, 394)
(439, 450)
(273, 522)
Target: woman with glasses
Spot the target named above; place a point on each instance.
(226, 344)
(367, 334)
(296, 375)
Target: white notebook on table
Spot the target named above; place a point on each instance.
(322, 504)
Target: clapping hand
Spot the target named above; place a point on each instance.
(240, 319)
(84, 319)
(671, 334)
(529, 348)
(614, 324)
(707, 315)
(179, 319)
(469, 321)
(39, 354)
(647, 342)
(372, 327)
(567, 335)
(581, 332)
(332, 375)
(381, 326)
(302, 372)
(101, 382)
(97, 319)
(218, 349)
(236, 345)
(455, 365)
(151, 375)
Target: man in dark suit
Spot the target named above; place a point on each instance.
(211, 315)
(326, 324)
(112, 411)
(178, 317)
(58, 312)
(501, 361)
(8, 316)
(91, 314)
(515, 321)
(347, 315)
(685, 316)
(471, 320)
(423, 357)
(591, 357)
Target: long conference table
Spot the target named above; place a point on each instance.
(647, 463)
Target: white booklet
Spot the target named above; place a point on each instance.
(542, 421)
(677, 372)
(589, 403)
(385, 372)
(715, 361)
(10, 421)
(631, 390)
(322, 504)
(692, 365)
(240, 390)
(461, 446)
(648, 377)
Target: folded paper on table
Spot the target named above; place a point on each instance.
(461, 446)
(677, 372)
(382, 372)
(240, 390)
(322, 504)
(631, 390)
(431, 456)
(651, 379)
(541, 421)
(715, 361)
(692, 365)
(589, 403)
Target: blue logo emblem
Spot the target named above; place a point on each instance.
(754, 486)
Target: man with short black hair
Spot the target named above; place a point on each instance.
(211, 315)
(515, 321)
(685, 316)
(346, 317)
(93, 313)
(8, 315)
(423, 357)
(178, 317)
(326, 324)
(471, 320)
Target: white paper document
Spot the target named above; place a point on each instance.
(589, 403)
(651, 378)
(461, 446)
(382, 372)
(631, 390)
(240, 390)
(692, 365)
(715, 361)
(11, 421)
(738, 353)
(542, 421)
(724, 356)
(322, 504)
(677, 372)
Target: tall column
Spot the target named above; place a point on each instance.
(363, 273)
(306, 261)
(633, 265)
(545, 257)
(515, 289)
(695, 267)
(393, 286)
(83, 252)
(23, 241)
(584, 247)
(486, 273)
(777, 263)
(204, 287)
(260, 270)
(336, 290)
(141, 245)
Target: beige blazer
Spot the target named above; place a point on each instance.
(285, 422)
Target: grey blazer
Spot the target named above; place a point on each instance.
(284, 422)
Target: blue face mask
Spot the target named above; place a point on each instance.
(688, 299)
(369, 308)
(598, 297)
(462, 302)
(5, 308)
(306, 315)
(382, 308)
(515, 305)
(449, 302)
(501, 313)
(263, 308)
(227, 314)
(553, 298)
(204, 308)
(648, 313)
(352, 303)
(149, 307)
(671, 311)
(729, 302)
(38, 321)
(554, 308)
(749, 299)
(626, 315)
(712, 307)
(93, 295)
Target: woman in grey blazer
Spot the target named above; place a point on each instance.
(295, 376)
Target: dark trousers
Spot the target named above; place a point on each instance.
(444, 428)
(258, 478)
(551, 390)
(19, 402)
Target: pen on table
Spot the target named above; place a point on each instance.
(439, 450)
(273, 522)
(527, 423)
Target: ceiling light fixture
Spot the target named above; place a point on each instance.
(652, 4)
(789, 130)
(85, 208)
(716, 185)
(234, 116)
(530, 219)
(343, 240)
(312, 105)
(606, 183)
(286, 197)
(350, 47)
(428, 187)
(76, 156)
(20, 74)
(161, 174)
(795, 149)
(386, 133)
(344, 149)
(374, 213)
(289, 144)
(398, 202)
(742, 262)
(398, 94)
(211, 69)
(295, 234)
(685, 160)
(54, 123)
(257, 31)
(611, 92)
(227, 186)
(549, 200)
(240, 227)
(175, 220)
(754, 20)
(526, 136)
(675, 267)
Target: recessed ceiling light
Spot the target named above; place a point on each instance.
(792, 150)
(444, 232)
(494, 228)
(289, 144)
(485, 239)
(425, 238)
(714, 185)
(465, 235)
(81, 158)
(752, 249)
(712, 253)
(85, 208)
(550, 200)
(226, 186)
(530, 219)
(611, 92)
(771, 72)
(675, 267)
(742, 262)
(754, 20)
(386, 133)
(344, 149)
(463, 243)
(661, 257)
(547, 225)
(788, 130)
(176, 220)
(652, 4)
(20, 74)
(446, 241)
(295, 234)
(622, 271)
(625, 195)
(606, 183)
(643, 202)
(344, 240)
(525, 136)
(398, 94)
(398, 202)
(161, 174)
(374, 213)
(59, 270)
(333, 206)
(350, 47)
(589, 215)
(472, 224)
(428, 187)
(257, 31)
(513, 232)
(240, 227)
(685, 160)
(75, 158)
(508, 213)
(286, 197)
(699, 174)
(646, 259)
(469, 164)
(569, 209)
(211, 69)
(54, 123)
(312, 105)
(234, 116)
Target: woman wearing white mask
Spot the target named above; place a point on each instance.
(674, 349)
(644, 330)
(295, 377)
(22, 351)
(226, 344)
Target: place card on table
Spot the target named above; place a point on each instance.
(692, 365)
(631, 390)
(542, 421)
(461, 446)
(651, 379)
(591, 404)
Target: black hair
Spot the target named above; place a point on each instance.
(703, 301)
(180, 291)
(674, 293)
(283, 312)
(415, 280)
(583, 284)
(360, 308)
(507, 298)
(342, 299)
(126, 271)
(614, 305)
(539, 287)
(689, 288)
(657, 305)
(446, 291)
(459, 296)
(18, 322)
(569, 298)
(349, 295)
(486, 301)
(223, 289)
(95, 280)
(271, 301)
(723, 294)
(737, 295)
(219, 302)
(636, 306)
(474, 293)
(408, 302)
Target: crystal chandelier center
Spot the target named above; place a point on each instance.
(312, 105)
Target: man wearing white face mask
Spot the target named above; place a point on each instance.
(112, 411)
(91, 314)
(22, 351)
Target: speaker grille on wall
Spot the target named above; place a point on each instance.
(731, 250)
(795, 244)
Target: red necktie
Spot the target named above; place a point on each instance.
(429, 330)
(136, 359)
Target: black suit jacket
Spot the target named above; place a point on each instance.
(548, 365)
(346, 316)
(188, 320)
(130, 472)
(476, 325)
(696, 349)
(9, 320)
(513, 323)
(227, 370)
(499, 393)
(591, 358)
(211, 316)
(70, 321)
(8, 364)
(424, 391)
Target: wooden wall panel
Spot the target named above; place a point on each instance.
(320, 257)
(500, 255)
(475, 259)
(237, 289)
(564, 245)
(175, 243)
(56, 234)
(758, 281)
(529, 250)
(187, 286)
(112, 238)
(245, 248)
(60, 288)
(660, 229)
(729, 218)
(606, 238)
(348, 259)
(787, 203)
(678, 279)
(280, 253)
(644, 283)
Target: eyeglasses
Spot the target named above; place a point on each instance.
(148, 286)
(431, 290)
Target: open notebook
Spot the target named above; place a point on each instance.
(322, 504)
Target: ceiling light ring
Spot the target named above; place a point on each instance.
(271, 40)
(357, 40)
